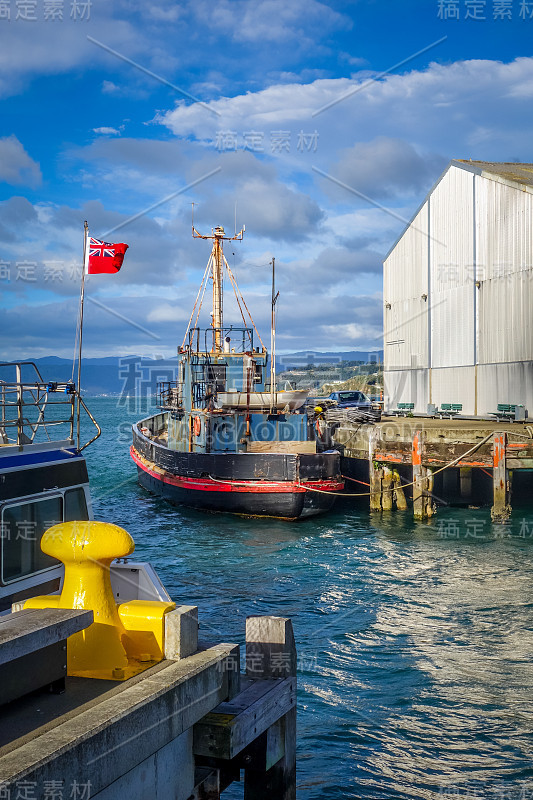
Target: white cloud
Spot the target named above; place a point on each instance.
(107, 131)
(108, 87)
(16, 166)
(437, 109)
(270, 20)
(167, 313)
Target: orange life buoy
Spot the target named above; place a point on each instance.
(197, 426)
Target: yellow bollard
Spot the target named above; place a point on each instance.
(106, 649)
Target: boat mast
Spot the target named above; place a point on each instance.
(217, 267)
(217, 289)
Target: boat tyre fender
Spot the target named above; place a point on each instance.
(197, 426)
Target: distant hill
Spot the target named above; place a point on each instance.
(114, 375)
(308, 357)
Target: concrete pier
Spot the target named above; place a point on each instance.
(146, 737)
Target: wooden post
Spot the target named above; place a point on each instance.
(501, 509)
(376, 475)
(418, 485)
(429, 506)
(399, 494)
(387, 488)
(271, 653)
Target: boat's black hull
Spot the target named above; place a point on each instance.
(289, 486)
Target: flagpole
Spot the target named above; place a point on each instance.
(82, 297)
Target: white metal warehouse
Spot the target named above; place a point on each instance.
(458, 296)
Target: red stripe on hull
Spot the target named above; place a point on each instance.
(255, 487)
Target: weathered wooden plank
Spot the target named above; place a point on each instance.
(224, 734)
(30, 630)
(281, 447)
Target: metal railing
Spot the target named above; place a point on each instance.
(29, 410)
(237, 340)
(170, 394)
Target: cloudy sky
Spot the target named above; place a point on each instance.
(321, 125)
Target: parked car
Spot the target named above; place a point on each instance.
(352, 399)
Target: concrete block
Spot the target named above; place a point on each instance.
(181, 632)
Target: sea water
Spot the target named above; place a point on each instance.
(415, 645)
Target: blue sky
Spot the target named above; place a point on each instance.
(325, 123)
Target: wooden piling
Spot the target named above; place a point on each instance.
(271, 653)
(418, 486)
(399, 494)
(376, 477)
(375, 473)
(386, 484)
(428, 484)
(501, 508)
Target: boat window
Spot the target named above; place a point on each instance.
(22, 528)
(216, 374)
(75, 505)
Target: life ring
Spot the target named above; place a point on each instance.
(197, 426)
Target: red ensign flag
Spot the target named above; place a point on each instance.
(103, 256)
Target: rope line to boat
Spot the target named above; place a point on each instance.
(195, 325)
(196, 301)
(236, 293)
(422, 479)
(234, 279)
(346, 478)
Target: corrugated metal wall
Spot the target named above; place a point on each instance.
(454, 385)
(505, 257)
(451, 270)
(406, 320)
(478, 274)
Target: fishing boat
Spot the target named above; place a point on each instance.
(225, 438)
(44, 481)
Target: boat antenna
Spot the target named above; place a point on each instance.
(273, 341)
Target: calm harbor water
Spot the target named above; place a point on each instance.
(415, 641)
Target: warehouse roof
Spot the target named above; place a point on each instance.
(509, 171)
